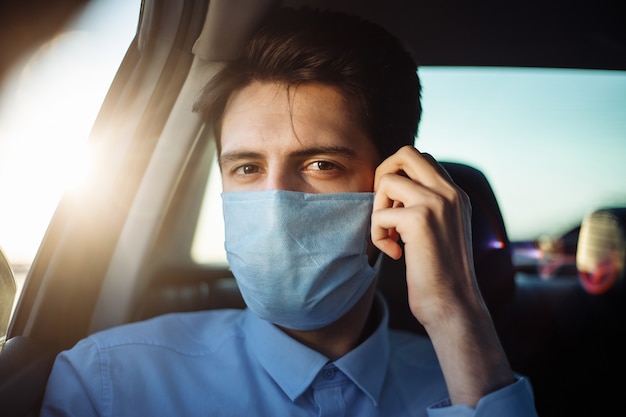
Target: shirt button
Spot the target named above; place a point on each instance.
(328, 373)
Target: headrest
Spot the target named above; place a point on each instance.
(491, 247)
(601, 250)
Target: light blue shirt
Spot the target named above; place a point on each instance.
(232, 363)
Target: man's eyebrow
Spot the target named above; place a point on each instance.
(238, 155)
(326, 150)
(302, 153)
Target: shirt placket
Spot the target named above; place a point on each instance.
(328, 392)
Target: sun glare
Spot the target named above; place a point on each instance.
(47, 107)
(47, 110)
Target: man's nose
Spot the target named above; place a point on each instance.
(281, 179)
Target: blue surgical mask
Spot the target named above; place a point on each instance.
(299, 259)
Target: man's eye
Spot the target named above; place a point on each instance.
(321, 166)
(247, 169)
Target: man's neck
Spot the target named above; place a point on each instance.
(340, 337)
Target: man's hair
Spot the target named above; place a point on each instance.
(365, 62)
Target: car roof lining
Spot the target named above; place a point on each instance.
(494, 33)
(531, 33)
(226, 27)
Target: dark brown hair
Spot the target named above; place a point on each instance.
(363, 60)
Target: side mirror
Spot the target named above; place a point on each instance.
(7, 296)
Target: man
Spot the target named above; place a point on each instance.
(314, 125)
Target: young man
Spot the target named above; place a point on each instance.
(315, 124)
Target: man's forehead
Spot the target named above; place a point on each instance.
(316, 119)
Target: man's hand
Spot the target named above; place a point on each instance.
(417, 201)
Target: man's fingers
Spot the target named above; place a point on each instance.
(409, 162)
(384, 234)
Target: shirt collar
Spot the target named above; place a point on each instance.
(366, 364)
(294, 366)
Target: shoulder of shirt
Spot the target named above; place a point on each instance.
(189, 333)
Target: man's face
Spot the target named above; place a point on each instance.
(300, 139)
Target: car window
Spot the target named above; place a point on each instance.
(48, 105)
(562, 157)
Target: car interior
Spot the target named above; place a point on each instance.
(120, 248)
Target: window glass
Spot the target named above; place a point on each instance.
(208, 244)
(550, 141)
(48, 104)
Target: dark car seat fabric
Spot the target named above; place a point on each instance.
(24, 369)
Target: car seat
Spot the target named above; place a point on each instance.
(24, 368)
